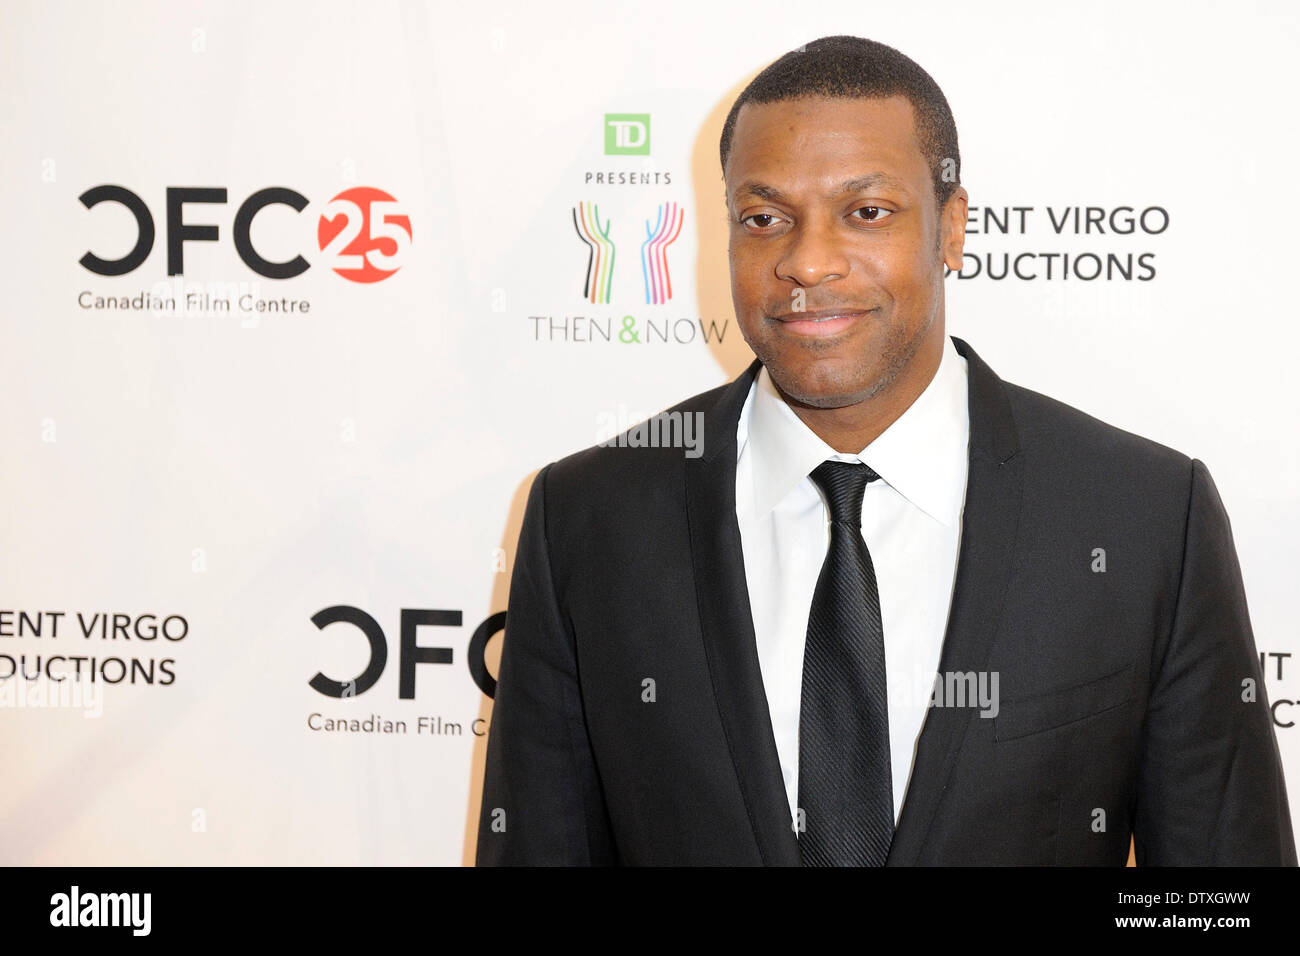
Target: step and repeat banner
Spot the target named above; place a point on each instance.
(299, 297)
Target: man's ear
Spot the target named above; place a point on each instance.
(952, 228)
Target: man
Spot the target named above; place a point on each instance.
(731, 658)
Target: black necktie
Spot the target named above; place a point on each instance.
(845, 783)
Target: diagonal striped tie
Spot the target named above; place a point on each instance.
(845, 783)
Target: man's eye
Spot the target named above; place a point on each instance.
(875, 213)
(760, 215)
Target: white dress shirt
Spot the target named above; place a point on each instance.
(911, 522)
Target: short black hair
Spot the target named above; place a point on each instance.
(852, 67)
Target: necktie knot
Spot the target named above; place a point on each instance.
(844, 484)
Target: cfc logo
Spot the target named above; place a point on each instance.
(362, 232)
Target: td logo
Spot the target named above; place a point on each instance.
(627, 134)
(362, 233)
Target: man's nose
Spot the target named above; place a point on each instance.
(815, 254)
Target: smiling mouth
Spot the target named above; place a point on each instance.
(821, 323)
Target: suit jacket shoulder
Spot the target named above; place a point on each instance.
(638, 477)
(1053, 431)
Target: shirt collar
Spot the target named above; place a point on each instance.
(922, 455)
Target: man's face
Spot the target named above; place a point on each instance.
(831, 202)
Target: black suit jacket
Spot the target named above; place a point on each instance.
(1121, 691)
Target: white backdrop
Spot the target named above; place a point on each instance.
(239, 472)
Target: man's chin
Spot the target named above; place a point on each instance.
(822, 391)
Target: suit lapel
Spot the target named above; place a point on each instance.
(722, 593)
(990, 520)
(989, 523)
